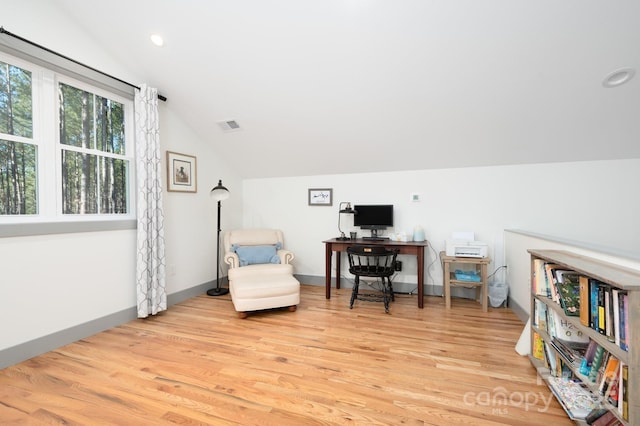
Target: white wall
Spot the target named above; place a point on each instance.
(585, 201)
(519, 261)
(52, 283)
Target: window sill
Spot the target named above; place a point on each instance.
(32, 229)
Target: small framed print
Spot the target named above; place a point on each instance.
(181, 172)
(320, 196)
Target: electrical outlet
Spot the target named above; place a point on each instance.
(398, 265)
(415, 197)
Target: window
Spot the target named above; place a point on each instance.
(66, 150)
(92, 142)
(18, 153)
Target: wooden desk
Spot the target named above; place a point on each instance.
(413, 248)
(448, 277)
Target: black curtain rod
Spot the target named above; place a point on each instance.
(3, 31)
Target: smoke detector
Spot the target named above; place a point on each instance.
(229, 125)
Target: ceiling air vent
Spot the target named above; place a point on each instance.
(229, 125)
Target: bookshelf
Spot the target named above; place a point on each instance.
(552, 317)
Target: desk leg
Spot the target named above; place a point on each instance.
(327, 270)
(421, 277)
(485, 287)
(338, 269)
(447, 284)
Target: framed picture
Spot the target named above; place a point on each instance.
(320, 196)
(181, 172)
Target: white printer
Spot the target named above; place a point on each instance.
(463, 244)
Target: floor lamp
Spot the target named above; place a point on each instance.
(219, 193)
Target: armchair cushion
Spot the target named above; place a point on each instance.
(251, 255)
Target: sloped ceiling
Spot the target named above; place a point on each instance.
(349, 86)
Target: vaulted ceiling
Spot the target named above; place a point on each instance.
(349, 86)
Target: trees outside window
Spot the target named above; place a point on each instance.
(18, 154)
(92, 140)
(81, 130)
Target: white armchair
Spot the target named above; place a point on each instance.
(260, 271)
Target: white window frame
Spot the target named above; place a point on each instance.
(46, 136)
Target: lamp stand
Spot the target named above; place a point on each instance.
(218, 291)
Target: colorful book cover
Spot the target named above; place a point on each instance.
(568, 284)
(593, 303)
(538, 346)
(595, 366)
(574, 396)
(610, 370)
(602, 325)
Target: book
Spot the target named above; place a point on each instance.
(574, 396)
(585, 305)
(602, 325)
(564, 330)
(595, 366)
(550, 280)
(613, 391)
(610, 370)
(595, 415)
(607, 419)
(608, 312)
(539, 283)
(625, 394)
(615, 300)
(593, 303)
(538, 346)
(541, 316)
(568, 285)
(624, 321)
(587, 360)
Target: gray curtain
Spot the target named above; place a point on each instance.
(150, 263)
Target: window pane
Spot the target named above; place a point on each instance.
(110, 125)
(113, 185)
(76, 117)
(18, 178)
(91, 121)
(16, 116)
(79, 183)
(94, 184)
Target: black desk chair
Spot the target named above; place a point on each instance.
(376, 262)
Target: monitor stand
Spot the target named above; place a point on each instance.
(374, 236)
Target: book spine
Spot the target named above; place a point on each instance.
(584, 301)
(595, 366)
(538, 346)
(602, 326)
(625, 394)
(625, 319)
(593, 303)
(615, 300)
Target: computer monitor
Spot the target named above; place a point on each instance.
(373, 217)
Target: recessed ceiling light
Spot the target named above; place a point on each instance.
(157, 39)
(618, 77)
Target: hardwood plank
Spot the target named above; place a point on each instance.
(324, 364)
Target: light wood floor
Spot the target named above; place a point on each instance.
(323, 364)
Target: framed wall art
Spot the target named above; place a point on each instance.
(320, 196)
(181, 172)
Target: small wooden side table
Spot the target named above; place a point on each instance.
(449, 277)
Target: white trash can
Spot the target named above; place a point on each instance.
(498, 293)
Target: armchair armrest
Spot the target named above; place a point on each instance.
(232, 259)
(285, 256)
